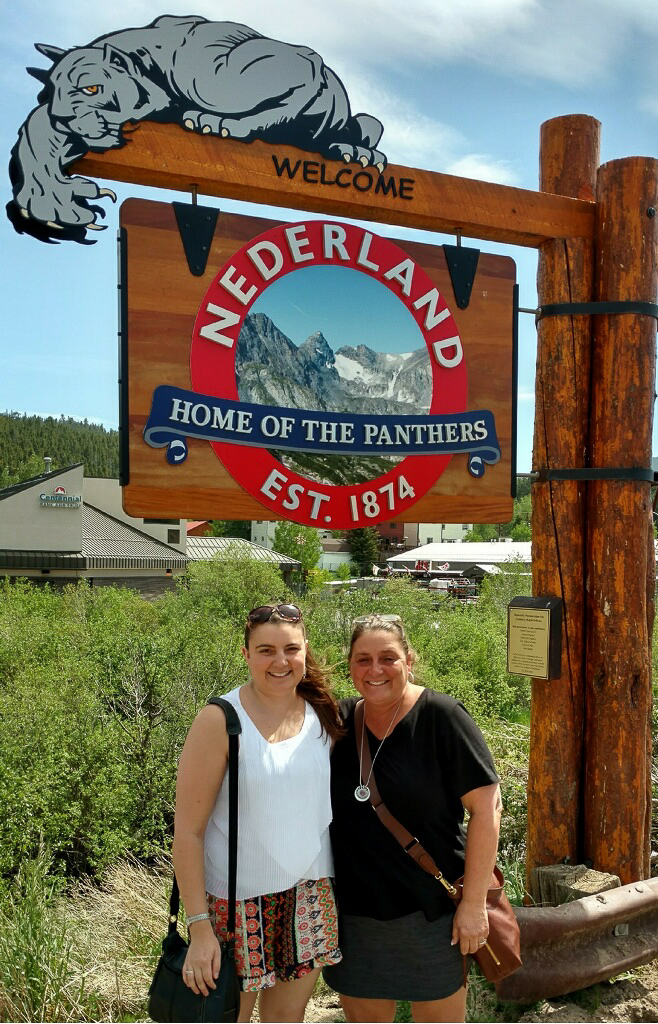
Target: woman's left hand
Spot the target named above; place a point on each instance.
(470, 926)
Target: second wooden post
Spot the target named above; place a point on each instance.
(620, 555)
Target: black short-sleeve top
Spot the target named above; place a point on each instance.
(434, 755)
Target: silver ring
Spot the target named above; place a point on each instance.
(188, 971)
(482, 942)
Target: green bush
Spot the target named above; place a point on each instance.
(98, 690)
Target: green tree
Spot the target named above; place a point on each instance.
(31, 467)
(523, 486)
(521, 523)
(482, 532)
(364, 548)
(519, 527)
(300, 542)
(65, 440)
(229, 528)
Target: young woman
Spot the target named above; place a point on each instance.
(399, 933)
(285, 915)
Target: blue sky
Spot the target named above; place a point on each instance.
(462, 86)
(367, 312)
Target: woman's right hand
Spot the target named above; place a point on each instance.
(201, 967)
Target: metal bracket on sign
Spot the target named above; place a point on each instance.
(196, 226)
(462, 265)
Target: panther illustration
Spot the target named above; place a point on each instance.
(218, 78)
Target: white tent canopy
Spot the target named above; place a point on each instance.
(457, 554)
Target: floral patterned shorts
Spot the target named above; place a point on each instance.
(283, 935)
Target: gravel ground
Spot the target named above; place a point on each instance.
(632, 998)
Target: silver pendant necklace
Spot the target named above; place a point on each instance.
(362, 791)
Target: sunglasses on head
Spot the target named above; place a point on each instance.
(369, 618)
(289, 612)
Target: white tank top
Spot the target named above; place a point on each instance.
(284, 811)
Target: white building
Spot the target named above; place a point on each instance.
(51, 531)
(438, 533)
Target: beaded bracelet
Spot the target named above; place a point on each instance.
(197, 917)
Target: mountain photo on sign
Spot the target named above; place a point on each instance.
(332, 339)
(215, 78)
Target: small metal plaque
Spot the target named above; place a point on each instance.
(534, 637)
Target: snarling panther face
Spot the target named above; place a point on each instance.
(96, 90)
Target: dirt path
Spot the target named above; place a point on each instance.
(633, 998)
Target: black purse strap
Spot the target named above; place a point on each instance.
(233, 729)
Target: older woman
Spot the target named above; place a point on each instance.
(286, 927)
(399, 933)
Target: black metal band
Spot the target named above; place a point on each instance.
(621, 473)
(584, 308)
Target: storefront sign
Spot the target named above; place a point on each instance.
(60, 499)
(383, 390)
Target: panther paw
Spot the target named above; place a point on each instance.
(63, 204)
(203, 122)
(357, 154)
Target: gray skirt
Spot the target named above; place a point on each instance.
(407, 958)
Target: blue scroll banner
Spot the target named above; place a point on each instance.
(177, 414)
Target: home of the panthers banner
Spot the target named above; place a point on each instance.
(177, 414)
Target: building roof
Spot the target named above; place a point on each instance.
(193, 523)
(205, 548)
(24, 485)
(108, 543)
(333, 545)
(457, 552)
(11, 558)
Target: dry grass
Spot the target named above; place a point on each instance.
(89, 956)
(117, 930)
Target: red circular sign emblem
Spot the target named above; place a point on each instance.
(229, 298)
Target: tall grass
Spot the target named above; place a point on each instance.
(36, 978)
(88, 957)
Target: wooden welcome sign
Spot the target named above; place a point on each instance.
(392, 404)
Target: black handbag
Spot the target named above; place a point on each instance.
(169, 998)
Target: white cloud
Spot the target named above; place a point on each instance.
(415, 140)
(483, 168)
(567, 41)
(380, 49)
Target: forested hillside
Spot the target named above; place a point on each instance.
(25, 440)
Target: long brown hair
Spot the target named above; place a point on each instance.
(315, 686)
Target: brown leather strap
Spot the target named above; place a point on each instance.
(407, 841)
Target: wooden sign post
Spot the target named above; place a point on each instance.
(621, 573)
(589, 789)
(569, 157)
